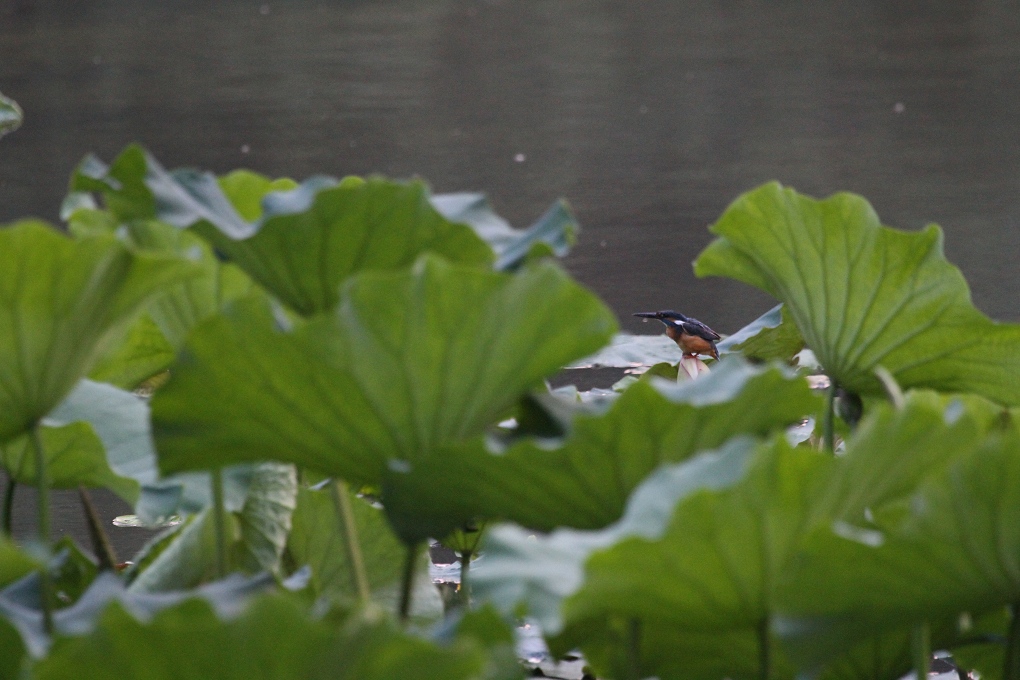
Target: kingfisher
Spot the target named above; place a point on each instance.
(692, 336)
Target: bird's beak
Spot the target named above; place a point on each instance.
(647, 315)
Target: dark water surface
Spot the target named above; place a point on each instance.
(649, 117)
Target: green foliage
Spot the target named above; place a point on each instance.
(10, 115)
(554, 233)
(63, 302)
(303, 242)
(273, 639)
(316, 542)
(14, 563)
(864, 295)
(398, 341)
(586, 481)
(141, 354)
(772, 336)
(257, 535)
(408, 362)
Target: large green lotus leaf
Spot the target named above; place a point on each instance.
(306, 241)
(632, 351)
(14, 563)
(256, 536)
(715, 567)
(894, 450)
(246, 189)
(772, 336)
(62, 303)
(864, 295)
(10, 115)
(100, 436)
(84, 218)
(21, 602)
(152, 341)
(586, 481)
(948, 547)
(408, 362)
(543, 570)
(315, 540)
(120, 421)
(886, 656)
(182, 558)
(674, 653)
(182, 306)
(692, 655)
(265, 520)
(705, 549)
(74, 456)
(985, 648)
(12, 650)
(310, 239)
(556, 231)
(273, 638)
(142, 353)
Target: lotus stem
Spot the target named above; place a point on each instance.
(349, 533)
(829, 422)
(100, 540)
(9, 489)
(1011, 660)
(43, 484)
(465, 582)
(407, 584)
(634, 649)
(920, 643)
(220, 521)
(764, 650)
(892, 388)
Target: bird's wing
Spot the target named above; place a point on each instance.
(695, 327)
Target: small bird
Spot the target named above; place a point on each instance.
(692, 336)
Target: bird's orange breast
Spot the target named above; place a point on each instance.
(692, 344)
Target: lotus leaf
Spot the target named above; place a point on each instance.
(772, 336)
(864, 295)
(555, 231)
(273, 639)
(306, 240)
(317, 542)
(62, 303)
(10, 115)
(586, 481)
(408, 362)
(946, 547)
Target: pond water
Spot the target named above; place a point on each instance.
(648, 117)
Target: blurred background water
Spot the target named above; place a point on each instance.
(649, 117)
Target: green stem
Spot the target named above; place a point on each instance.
(100, 541)
(892, 388)
(407, 584)
(349, 532)
(829, 424)
(9, 489)
(43, 483)
(220, 520)
(634, 649)
(1011, 662)
(465, 582)
(764, 650)
(921, 648)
